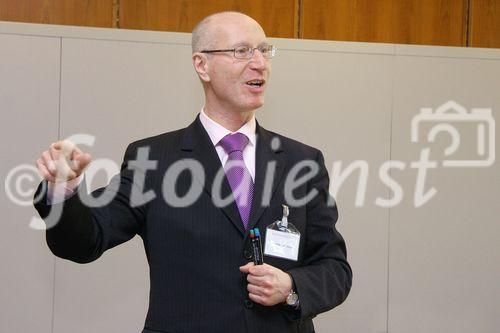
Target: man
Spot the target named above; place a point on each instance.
(202, 277)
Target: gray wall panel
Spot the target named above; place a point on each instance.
(444, 255)
(29, 104)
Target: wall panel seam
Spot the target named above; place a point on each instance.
(395, 57)
(58, 137)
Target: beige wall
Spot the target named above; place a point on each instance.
(427, 269)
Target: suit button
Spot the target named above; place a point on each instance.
(248, 254)
(248, 304)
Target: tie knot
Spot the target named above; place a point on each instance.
(234, 142)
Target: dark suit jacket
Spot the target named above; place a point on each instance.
(194, 252)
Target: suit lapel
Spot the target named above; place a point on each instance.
(268, 155)
(197, 145)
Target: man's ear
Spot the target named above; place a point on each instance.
(200, 64)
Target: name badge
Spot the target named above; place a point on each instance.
(282, 238)
(282, 244)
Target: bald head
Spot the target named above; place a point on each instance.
(212, 29)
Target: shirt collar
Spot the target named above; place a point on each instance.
(216, 131)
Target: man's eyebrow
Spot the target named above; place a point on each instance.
(248, 44)
(241, 44)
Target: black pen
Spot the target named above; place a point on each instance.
(258, 258)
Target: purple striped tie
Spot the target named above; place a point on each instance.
(237, 174)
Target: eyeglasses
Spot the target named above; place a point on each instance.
(246, 52)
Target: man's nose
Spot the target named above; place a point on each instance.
(257, 61)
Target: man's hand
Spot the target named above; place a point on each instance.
(62, 162)
(267, 285)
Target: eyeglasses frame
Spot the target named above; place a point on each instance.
(252, 50)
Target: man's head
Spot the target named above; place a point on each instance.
(231, 84)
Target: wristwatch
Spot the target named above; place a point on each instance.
(293, 298)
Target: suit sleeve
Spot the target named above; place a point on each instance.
(324, 280)
(83, 233)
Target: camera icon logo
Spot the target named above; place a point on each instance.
(446, 119)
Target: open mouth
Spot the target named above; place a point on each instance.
(255, 83)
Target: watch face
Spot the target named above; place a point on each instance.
(292, 299)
